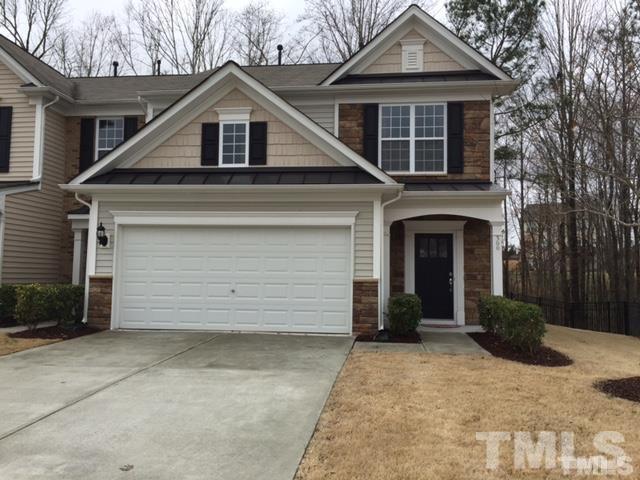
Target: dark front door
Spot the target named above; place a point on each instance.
(434, 274)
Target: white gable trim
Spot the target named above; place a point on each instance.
(456, 48)
(228, 77)
(18, 69)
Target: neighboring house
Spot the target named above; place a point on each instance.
(293, 198)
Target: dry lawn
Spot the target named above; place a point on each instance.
(415, 416)
(12, 345)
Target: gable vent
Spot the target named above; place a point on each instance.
(412, 55)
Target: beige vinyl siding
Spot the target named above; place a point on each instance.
(32, 230)
(285, 147)
(435, 60)
(323, 115)
(363, 228)
(22, 126)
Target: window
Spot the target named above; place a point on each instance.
(110, 134)
(413, 138)
(234, 144)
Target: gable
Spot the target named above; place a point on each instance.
(434, 58)
(285, 147)
(443, 51)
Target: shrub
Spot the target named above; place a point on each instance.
(519, 324)
(405, 313)
(37, 303)
(67, 302)
(32, 305)
(7, 303)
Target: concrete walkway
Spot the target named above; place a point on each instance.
(450, 342)
(434, 340)
(145, 405)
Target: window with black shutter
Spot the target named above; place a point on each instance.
(6, 114)
(370, 133)
(87, 142)
(210, 144)
(258, 143)
(455, 137)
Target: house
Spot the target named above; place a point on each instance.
(287, 198)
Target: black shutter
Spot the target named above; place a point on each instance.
(210, 143)
(87, 143)
(370, 134)
(455, 137)
(130, 127)
(258, 143)
(5, 137)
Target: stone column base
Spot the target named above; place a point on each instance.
(99, 310)
(365, 306)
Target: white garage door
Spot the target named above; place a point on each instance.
(285, 279)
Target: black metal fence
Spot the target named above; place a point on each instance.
(611, 317)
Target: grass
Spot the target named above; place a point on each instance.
(12, 345)
(415, 416)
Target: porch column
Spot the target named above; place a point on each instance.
(386, 271)
(496, 257)
(78, 254)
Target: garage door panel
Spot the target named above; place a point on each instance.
(255, 279)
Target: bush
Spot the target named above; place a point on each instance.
(405, 313)
(37, 303)
(7, 303)
(67, 302)
(32, 305)
(519, 324)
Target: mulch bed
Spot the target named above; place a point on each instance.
(544, 357)
(626, 388)
(56, 332)
(386, 336)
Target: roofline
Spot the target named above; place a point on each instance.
(231, 68)
(411, 11)
(107, 188)
(436, 195)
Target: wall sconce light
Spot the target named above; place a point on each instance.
(102, 236)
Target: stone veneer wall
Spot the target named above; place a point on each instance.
(99, 311)
(365, 306)
(351, 126)
(477, 261)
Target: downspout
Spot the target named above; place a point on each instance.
(41, 141)
(383, 262)
(83, 202)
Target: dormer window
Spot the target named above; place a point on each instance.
(234, 136)
(412, 55)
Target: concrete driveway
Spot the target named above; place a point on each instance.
(145, 405)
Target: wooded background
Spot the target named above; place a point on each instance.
(566, 141)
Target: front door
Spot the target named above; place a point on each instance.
(434, 274)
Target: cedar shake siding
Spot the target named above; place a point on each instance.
(435, 60)
(477, 261)
(477, 142)
(22, 127)
(32, 233)
(285, 147)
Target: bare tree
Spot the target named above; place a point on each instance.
(34, 25)
(189, 36)
(257, 30)
(341, 27)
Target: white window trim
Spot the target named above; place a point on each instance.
(455, 228)
(97, 135)
(412, 139)
(246, 143)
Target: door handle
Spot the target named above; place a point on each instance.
(450, 282)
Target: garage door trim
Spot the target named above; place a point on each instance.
(122, 219)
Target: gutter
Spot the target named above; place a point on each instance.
(106, 188)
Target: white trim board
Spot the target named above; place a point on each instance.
(455, 228)
(267, 218)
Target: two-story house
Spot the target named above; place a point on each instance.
(286, 198)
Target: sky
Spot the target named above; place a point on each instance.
(79, 9)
